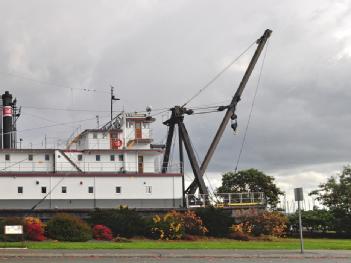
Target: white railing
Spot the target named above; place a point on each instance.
(97, 166)
(225, 199)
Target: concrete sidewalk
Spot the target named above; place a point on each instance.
(175, 253)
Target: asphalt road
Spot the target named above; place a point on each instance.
(168, 260)
(171, 256)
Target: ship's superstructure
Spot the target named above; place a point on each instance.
(100, 168)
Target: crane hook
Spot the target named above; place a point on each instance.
(234, 123)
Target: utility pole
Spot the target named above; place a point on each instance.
(112, 99)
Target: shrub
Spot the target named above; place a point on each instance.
(65, 227)
(10, 221)
(101, 232)
(216, 220)
(168, 227)
(193, 224)
(34, 232)
(266, 223)
(239, 232)
(123, 222)
(317, 220)
(34, 229)
(177, 225)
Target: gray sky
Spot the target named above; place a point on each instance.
(160, 53)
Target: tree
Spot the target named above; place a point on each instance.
(336, 195)
(316, 220)
(251, 180)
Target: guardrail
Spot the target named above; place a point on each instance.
(226, 199)
(97, 166)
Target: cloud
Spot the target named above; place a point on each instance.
(160, 53)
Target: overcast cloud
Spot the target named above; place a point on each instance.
(160, 53)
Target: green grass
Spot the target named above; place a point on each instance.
(204, 244)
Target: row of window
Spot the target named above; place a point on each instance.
(118, 189)
(98, 157)
(79, 157)
(131, 124)
(30, 157)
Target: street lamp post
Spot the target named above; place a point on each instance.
(112, 99)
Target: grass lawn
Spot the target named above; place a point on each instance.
(204, 244)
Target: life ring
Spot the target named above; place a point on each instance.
(117, 143)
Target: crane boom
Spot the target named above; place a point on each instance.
(177, 118)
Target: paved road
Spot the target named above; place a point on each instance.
(171, 256)
(168, 260)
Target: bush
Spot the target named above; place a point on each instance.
(123, 222)
(168, 227)
(65, 227)
(101, 232)
(193, 224)
(34, 232)
(177, 225)
(317, 220)
(216, 220)
(266, 223)
(34, 229)
(239, 232)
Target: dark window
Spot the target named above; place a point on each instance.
(43, 189)
(112, 157)
(118, 189)
(90, 189)
(120, 157)
(80, 157)
(47, 157)
(7, 157)
(20, 189)
(148, 189)
(30, 157)
(64, 189)
(98, 157)
(95, 135)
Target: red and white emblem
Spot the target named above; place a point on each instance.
(7, 111)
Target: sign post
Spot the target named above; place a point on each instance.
(14, 230)
(298, 192)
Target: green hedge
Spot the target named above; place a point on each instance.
(65, 227)
(123, 222)
(216, 220)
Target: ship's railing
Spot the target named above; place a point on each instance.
(85, 166)
(225, 199)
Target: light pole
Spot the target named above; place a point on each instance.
(112, 99)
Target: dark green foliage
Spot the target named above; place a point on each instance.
(336, 195)
(66, 227)
(10, 221)
(317, 220)
(216, 220)
(251, 180)
(123, 222)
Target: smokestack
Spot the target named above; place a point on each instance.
(7, 119)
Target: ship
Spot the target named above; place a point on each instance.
(117, 164)
(112, 166)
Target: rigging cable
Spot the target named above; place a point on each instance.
(251, 110)
(21, 76)
(219, 74)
